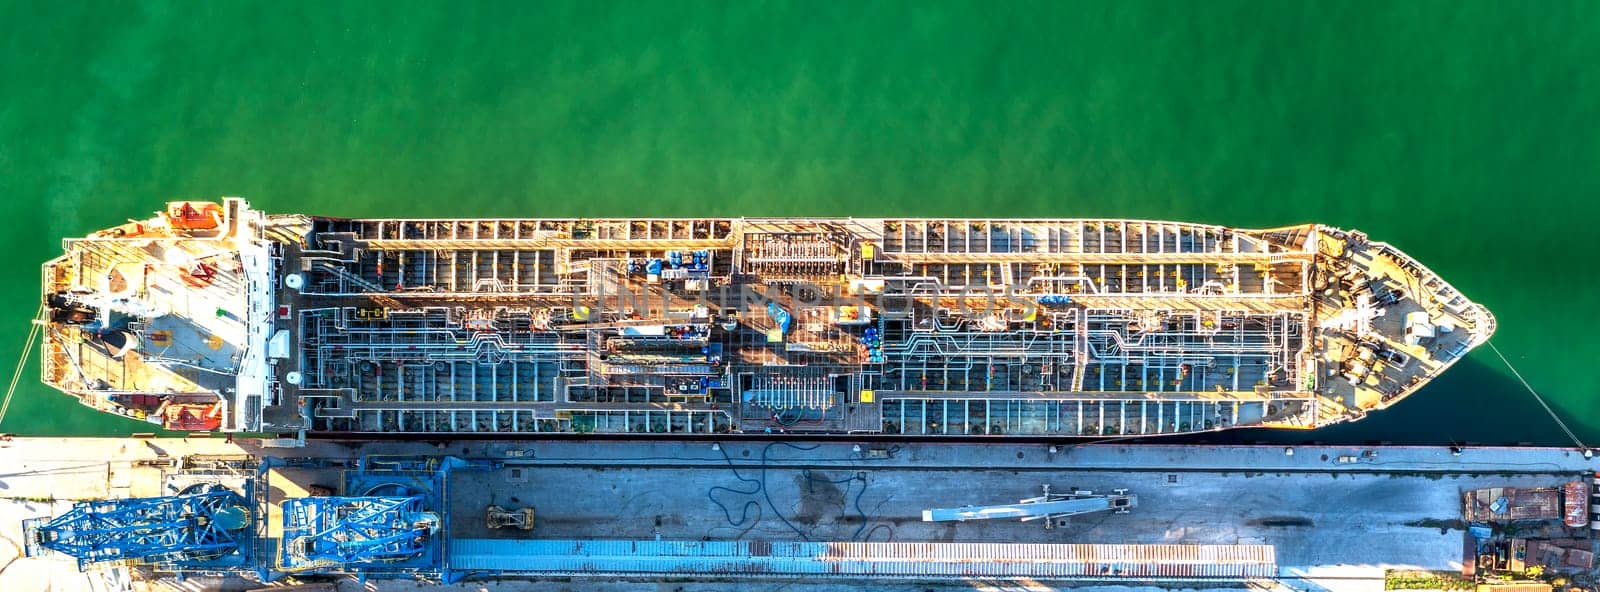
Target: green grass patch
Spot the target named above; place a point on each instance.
(1426, 580)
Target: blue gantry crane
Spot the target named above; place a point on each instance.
(326, 532)
(202, 526)
(389, 524)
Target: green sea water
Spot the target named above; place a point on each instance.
(1466, 133)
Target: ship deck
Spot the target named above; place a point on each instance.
(827, 326)
(173, 321)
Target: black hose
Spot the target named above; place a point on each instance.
(758, 485)
(868, 537)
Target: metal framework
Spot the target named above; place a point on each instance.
(323, 532)
(196, 529)
(1139, 328)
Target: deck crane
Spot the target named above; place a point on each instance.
(203, 525)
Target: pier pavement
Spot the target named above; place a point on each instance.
(1338, 517)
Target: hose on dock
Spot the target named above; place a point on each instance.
(34, 332)
(758, 486)
(1536, 397)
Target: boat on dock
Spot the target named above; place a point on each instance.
(219, 317)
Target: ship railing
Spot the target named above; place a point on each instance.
(635, 369)
(1091, 286)
(908, 413)
(358, 342)
(489, 285)
(649, 421)
(96, 256)
(1052, 234)
(806, 388)
(551, 242)
(965, 342)
(1447, 296)
(1302, 256)
(914, 361)
(346, 279)
(1156, 342)
(932, 287)
(459, 350)
(1095, 258)
(486, 420)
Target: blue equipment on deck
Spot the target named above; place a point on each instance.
(1055, 299)
(322, 532)
(202, 527)
(780, 316)
(391, 524)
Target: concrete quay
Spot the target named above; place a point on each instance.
(1337, 517)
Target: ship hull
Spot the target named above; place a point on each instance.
(924, 328)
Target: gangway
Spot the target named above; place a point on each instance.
(1048, 507)
(206, 525)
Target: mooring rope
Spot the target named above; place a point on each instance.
(22, 360)
(1536, 397)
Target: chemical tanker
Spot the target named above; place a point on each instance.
(215, 317)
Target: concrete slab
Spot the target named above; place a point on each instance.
(1338, 517)
(1313, 519)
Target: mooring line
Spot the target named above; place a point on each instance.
(34, 331)
(1536, 397)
